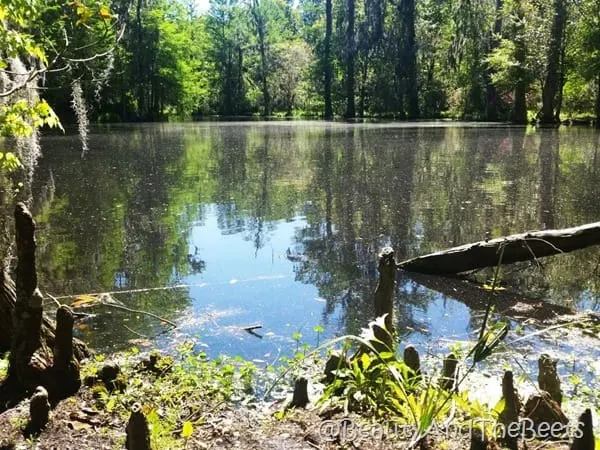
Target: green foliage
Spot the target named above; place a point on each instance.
(268, 56)
(375, 383)
(175, 392)
(3, 367)
(35, 37)
(20, 119)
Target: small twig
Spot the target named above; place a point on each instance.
(134, 291)
(83, 315)
(135, 332)
(138, 311)
(537, 261)
(58, 304)
(252, 327)
(558, 250)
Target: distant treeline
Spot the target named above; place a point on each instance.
(517, 60)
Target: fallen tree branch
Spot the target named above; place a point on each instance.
(138, 311)
(133, 291)
(517, 247)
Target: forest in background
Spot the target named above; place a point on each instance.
(517, 60)
(149, 60)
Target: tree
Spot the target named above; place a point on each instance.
(327, 69)
(518, 60)
(291, 59)
(492, 92)
(31, 48)
(228, 34)
(587, 45)
(350, 54)
(551, 84)
(406, 60)
(259, 17)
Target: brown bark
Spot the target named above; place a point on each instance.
(449, 373)
(384, 295)
(327, 61)
(512, 407)
(300, 396)
(8, 298)
(598, 102)
(66, 367)
(517, 247)
(31, 361)
(350, 57)
(138, 433)
(29, 357)
(552, 76)
(548, 378)
(411, 359)
(585, 433)
(39, 411)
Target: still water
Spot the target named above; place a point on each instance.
(279, 224)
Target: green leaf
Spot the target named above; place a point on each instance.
(187, 430)
(499, 406)
(365, 361)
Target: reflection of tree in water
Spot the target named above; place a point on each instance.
(115, 221)
(360, 197)
(245, 180)
(549, 172)
(256, 171)
(123, 216)
(569, 186)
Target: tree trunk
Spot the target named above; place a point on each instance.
(31, 361)
(260, 23)
(29, 356)
(519, 109)
(491, 91)
(406, 62)
(350, 106)
(8, 297)
(561, 76)
(239, 88)
(412, 93)
(384, 297)
(327, 61)
(551, 82)
(517, 247)
(363, 87)
(519, 112)
(598, 102)
(139, 63)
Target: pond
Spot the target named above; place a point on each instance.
(219, 226)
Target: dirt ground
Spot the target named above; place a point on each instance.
(76, 424)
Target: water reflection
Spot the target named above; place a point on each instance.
(281, 223)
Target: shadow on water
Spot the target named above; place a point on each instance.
(281, 223)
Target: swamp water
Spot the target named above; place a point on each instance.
(280, 224)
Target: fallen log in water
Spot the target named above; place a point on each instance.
(514, 248)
